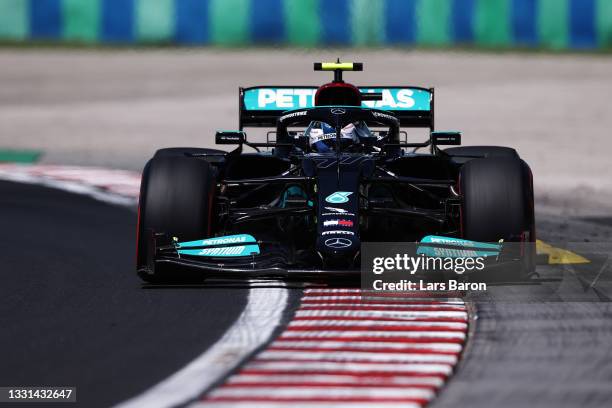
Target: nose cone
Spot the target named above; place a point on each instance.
(338, 181)
(338, 214)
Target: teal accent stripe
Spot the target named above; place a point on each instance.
(155, 20)
(14, 21)
(303, 26)
(603, 16)
(492, 23)
(433, 18)
(367, 18)
(81, 20)
(553, 22)
(229, 22)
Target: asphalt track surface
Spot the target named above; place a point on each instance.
(533, 345)
(73, 310)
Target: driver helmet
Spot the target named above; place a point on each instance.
(322, 136)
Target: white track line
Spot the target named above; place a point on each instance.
(348, 368)
(303, 404)
(407, 315)
(368, 345)
(117, 187)
(355, 356)
(253, 328)
(376, 323)
(333, 290)
(330, 379)
(369, 293)
(73, 187)
(367, 299)
(389, 306)
(378, 334)
(322, 392)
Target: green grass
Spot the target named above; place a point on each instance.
(19, 156)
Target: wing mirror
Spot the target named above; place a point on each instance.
(446, 138)
(230, 137)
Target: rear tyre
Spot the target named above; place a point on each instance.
(497, 196)
(175, 198)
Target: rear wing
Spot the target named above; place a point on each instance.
(261, 106)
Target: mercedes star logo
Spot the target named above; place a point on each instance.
(338, 111)
(338, 243)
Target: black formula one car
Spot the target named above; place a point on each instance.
(339, 171)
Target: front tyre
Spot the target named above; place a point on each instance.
(497, 203)
(176, 195)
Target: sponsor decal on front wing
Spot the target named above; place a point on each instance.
(242, 250)
(337, 232)
(336, 210)
(341, 223)
(227, 240)
(338, 243)
(227, 246)
(339, 197)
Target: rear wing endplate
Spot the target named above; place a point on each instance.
(261, 106)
